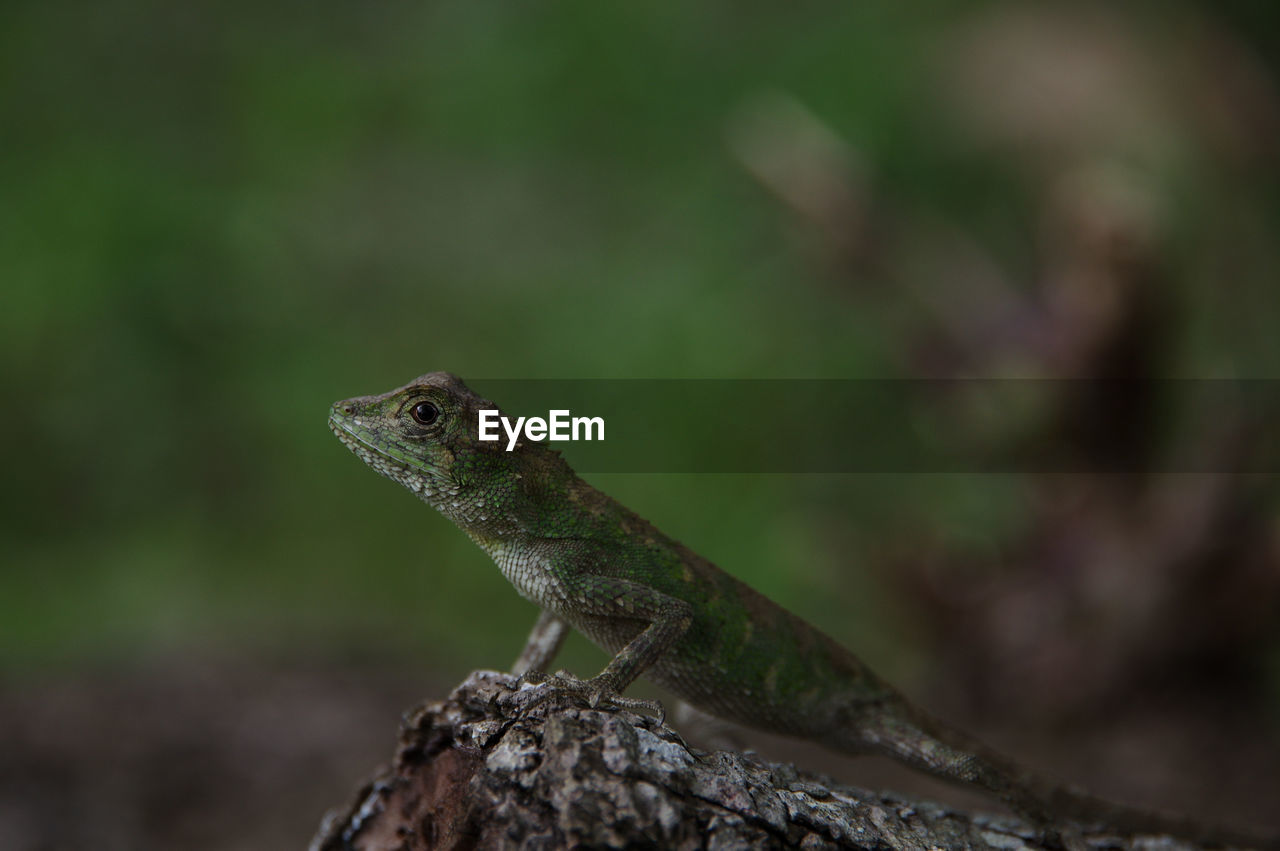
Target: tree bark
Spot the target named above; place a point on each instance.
(492, 767)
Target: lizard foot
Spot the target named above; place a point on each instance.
(595, 693)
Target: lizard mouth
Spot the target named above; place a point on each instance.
(385, 457)
(350, 433)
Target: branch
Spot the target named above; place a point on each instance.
(483, 769)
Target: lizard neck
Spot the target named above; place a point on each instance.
(504, 500)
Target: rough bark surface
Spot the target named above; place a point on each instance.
(492, 767)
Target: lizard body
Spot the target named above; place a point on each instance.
(664, 611)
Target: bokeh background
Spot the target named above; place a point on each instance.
(216, 219)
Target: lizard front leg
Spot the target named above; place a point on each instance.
(665, 619)
(542, 645)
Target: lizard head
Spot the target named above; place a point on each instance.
(425, 436)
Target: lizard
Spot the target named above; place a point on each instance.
(665, 612)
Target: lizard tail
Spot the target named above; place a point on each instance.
(907, 734)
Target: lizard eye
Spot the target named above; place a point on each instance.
(424, 413)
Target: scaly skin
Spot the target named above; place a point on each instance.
(666, 612)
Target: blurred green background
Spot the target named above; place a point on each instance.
(215, 220)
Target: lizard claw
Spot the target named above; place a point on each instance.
(531, 678)
(596, 693)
